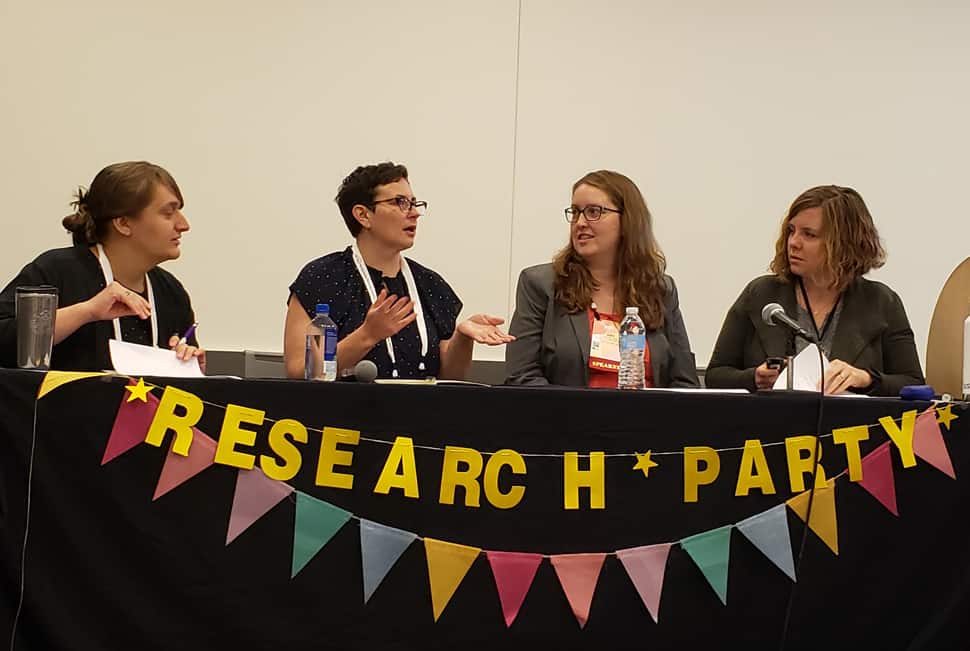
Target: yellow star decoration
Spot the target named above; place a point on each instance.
(644, 463)
(945, 416)
(138, 391)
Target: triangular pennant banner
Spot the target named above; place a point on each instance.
(55, 379)
(178, 469)
(928, 443)
(380, 547)
(578, 574)
(448, 564)
(514, 573)
(768, 531)
(822, 521)
(255, 495)
(711, 552)
(130, 427)
(646, 567)
(315, 524)
(877, 477)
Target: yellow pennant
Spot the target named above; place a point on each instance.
(822, 521)
(55, 379)
(448, 564)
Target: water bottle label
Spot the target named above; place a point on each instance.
(330, 344)
(630, 342)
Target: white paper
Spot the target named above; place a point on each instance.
(135, 359)
(806, 370)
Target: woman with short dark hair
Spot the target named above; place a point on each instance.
(388, 309)
(109, 283)
(828, 242)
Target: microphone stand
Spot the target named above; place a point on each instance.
(811, 494)
(790, 362)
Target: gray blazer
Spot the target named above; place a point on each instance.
(552, 346)
(872, 333)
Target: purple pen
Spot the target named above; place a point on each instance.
(188, 333)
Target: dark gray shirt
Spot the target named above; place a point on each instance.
(828, 335)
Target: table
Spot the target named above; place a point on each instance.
(106, 566)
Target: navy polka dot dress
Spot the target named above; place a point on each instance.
(334, 279)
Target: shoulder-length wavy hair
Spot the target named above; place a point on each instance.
(851, 241)
(640, 264)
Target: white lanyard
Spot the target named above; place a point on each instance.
(412, 292)
(109, 278)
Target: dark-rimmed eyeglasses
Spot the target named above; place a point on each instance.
(405, 204)
(592, 213)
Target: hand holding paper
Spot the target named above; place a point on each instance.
(805, 367)
(185, 352)
(840, 377)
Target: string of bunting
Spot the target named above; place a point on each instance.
(317, 521)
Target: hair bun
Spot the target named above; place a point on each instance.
(81, 223)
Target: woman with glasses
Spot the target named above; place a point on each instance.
(388, 308)
(828, 241)
(575, 304)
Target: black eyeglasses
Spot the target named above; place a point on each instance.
(593, 213)
(404, 203)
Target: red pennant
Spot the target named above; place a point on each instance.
(578, 574)
(178, 469)
(877, 477)
(131, 425)
(514, 573)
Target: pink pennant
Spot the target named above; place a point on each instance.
(255, 495)
(578, 574)
(646, 567)
(928, 443)
(877, 477)
(179, 469)
(514, 573)
(131, 425)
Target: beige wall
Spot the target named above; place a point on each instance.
(721, 112)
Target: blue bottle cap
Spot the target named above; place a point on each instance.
(323, 308)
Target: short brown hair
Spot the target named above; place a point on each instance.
(852, 244)
(359, 188)
(640, 262)
(119, 190)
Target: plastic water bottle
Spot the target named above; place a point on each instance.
(633, 344)
(321, 346)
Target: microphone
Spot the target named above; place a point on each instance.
(774, 314)
(365, 372)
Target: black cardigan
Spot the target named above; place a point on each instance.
(77, 275)
(872, 334)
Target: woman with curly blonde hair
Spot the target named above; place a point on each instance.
(612, 261)
(828, 242)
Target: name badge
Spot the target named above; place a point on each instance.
(604, 349)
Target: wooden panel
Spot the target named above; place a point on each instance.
(944, 348)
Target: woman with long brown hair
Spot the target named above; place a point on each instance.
(828, 242)
(109, 283)
(612, 261)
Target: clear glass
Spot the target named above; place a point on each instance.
(36, 310)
